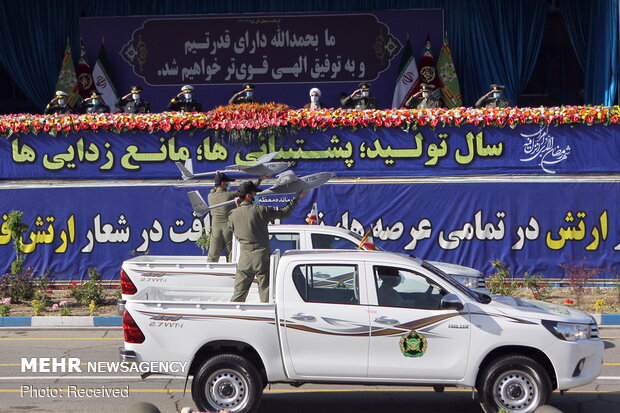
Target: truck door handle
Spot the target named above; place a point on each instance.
(385, 320)
(303, 317)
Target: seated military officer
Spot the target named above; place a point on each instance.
(244, 96)
(58, 104)
(494, 98)
(386, 293)
(132, 103)
(424, 99)
(95, 104)
(360, 98)
(184, 102)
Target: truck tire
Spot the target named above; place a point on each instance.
(514, 383)
(227, 381)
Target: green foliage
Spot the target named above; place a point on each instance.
(540, 290)
(5, 309)
(19, 287)
(89, 291)
(65, 311)
(501, 281)
(38, 307)
(204, 240)
(43, 291)
(118, 294)
(16, 226)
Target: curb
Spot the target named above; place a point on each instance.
(116, 321)
(60, 321)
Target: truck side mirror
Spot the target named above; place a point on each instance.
(451, 302)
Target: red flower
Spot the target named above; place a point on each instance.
(569, 301)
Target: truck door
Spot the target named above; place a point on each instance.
(324, 327)
(411, 337)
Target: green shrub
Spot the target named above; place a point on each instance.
(90, 290)
(540, 289)
(38, 307)
(17, 228)
(204, 240)
(501, 282)
(65, 311)
(5, 309)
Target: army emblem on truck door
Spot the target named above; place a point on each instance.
(413, 344)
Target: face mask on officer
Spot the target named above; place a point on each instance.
(365, 94)
(255, 200)
(314, 99)
(426, 95)
(227, 187)
(249, 93)
(61, 102)
(94, 101)
(188, 96)
(135, 96)
(496, 95)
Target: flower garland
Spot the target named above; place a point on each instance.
(247, 120)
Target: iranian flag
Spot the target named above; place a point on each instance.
(408, 77)
(313, 216)
(67, 81)
(84, 74)
(103, 79)
(451, 90)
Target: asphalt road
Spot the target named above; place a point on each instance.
(99, 391)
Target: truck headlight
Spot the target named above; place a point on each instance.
(568, 331)
(469, 282)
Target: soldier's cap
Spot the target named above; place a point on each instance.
(61, 93)
(248, 86)
(426, 87)
(497, 87)
(363, 85)
(136, 89)
(188, 88)
(221, 177)
(95, 94)
(247, 187)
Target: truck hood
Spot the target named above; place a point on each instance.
(537, 310)
(455, 269)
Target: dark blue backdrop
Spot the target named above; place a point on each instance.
(533, 226)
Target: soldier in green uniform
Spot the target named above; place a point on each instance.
(133, 103)
(221, 234)
(244, 96)
(360, 99)
(424, 99)
(58, 104)
(494, 98)
(94, 104)
(184, 102)
(249, 224)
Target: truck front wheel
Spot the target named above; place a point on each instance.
(227, 381)
(514, 383)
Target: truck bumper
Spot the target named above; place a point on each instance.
(128, 356)
(576, 363)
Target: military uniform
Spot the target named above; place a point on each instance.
(249, 224)
(360, 103)
(221, 234)
(238, 99)
(499, 102)
(128, 105)
(53, 108)
(183, 105)
(424, 103)
(98, 108)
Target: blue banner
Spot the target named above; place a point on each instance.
(534, 227)
(385, 152)
(283, 55)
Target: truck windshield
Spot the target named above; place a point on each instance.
(473, 295)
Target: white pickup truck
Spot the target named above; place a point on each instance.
(187, 271)
(363, 317)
